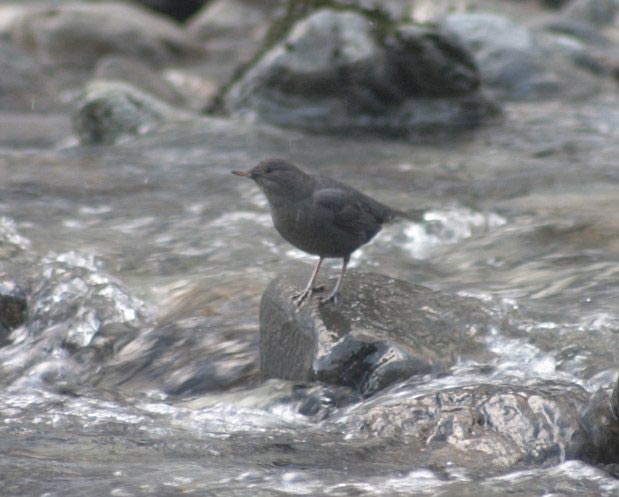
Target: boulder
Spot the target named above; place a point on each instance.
(478, 427)
(516, 63)
(76, 317)
(504, 52)
(595, 12)
(340, 71)
(382, 331)
(79, 34)
(108, 111)
(233, 32)
(599, 436)
(195, 347)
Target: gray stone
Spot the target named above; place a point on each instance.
(483, 32)
(595, 12)
(108, 111)
(599, 437)
(516, 63)
(79, 34)
(382, 331)
(431, 63)
(335, 72)
(234, 31)
(231, 19)
(478, 427)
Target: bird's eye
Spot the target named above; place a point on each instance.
(268, 170)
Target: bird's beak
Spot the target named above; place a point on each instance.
(247, 174)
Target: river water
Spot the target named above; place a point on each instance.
(136, 372)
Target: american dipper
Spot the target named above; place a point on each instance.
(318, 215)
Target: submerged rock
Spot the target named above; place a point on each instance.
(342, 71)
(478, 427)
(79, 34)
(382, 331)
(107, 111)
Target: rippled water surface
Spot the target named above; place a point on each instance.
(137, 374)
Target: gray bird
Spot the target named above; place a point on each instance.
(318, 215)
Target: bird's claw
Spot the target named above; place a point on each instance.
(330, 298)
(298, 298)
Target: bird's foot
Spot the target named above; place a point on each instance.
(298, 298)
(332, 297)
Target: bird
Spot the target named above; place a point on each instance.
(318, 215)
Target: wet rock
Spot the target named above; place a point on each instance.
(77, 317)
(336, 71)
(382, 331)
(13, 309)
(504, 52)
(195, 348)
(108, 111)
(478, 427)
(432, 63)
(75, 300)
(598, 441)
(595, 12)
(173, 8)
(516, 63)
(484, 31)
(79, 34)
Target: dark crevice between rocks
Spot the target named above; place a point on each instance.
(13, 312)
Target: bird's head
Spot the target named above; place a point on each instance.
(279, 178)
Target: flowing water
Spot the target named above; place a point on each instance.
(136, 372)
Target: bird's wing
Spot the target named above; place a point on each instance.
(351, 210)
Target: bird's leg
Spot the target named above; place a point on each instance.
(309, 289)
(332, 297)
